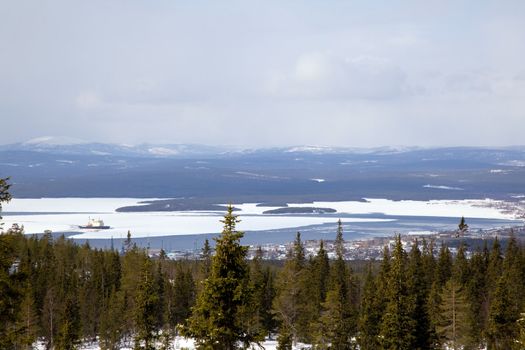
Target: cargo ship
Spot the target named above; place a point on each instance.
(95, 224)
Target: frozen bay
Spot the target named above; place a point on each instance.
(370, 217)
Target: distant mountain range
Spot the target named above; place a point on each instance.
(200, 175)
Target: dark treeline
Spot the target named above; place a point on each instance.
(65, 294)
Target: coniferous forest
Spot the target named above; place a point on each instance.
(63, 294)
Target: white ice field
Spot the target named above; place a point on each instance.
(66, 214)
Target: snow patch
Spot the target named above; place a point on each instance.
(257, 176)
(177, 344)
(53, 141)
(100, 153)
(163, 151)
(441, 187)
(518, 163)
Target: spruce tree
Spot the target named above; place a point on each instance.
(370, 315)
(502, 328)
(477, 297)
(460, 270)
(217, 321)
(5, 196)
(262, 280)
(339, 309)
(494, 267)
(397, 327)
(434, 311)
(521, 326)
(182, 297)
(514, 270)
(444, 265)
(453, 326)
(10, 290)
(417, 287)
(206, 259)
(291, 300)
(462, 227)
(146, 306)
(316, 287)
(27, 327)
(111, 322)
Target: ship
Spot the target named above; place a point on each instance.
(95, 224)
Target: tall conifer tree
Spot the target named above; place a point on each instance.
(218, 321)
(397, 327)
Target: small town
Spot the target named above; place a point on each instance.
(372, 248)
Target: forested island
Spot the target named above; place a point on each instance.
(300, 210)
(63, 295)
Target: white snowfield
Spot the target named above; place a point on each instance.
(66, 214)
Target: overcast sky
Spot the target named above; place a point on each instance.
(264, 73)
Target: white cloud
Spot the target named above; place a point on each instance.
(327, 76)
(303, 72)
(87, 100)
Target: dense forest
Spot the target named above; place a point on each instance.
(422, 297)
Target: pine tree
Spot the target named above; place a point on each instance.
(217, 320)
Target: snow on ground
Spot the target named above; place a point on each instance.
(66, 214)
(485, 209)
(75, 211)
(180, 343)
(441, 187)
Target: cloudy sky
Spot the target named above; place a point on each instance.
(264, 73)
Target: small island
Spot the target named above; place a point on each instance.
(300, 210)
